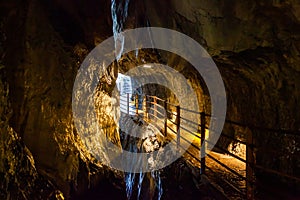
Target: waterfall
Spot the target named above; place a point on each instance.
(156, 176)
(119, 12)
(138, 185)
(143, 185)
(129, 180)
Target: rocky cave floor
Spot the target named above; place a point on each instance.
(180, 180)
(189, 187)
(231, 186)
(187, 184)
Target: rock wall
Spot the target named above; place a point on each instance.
(256, 47)
(41, 66)
(18, 174)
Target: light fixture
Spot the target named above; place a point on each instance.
(147, 66)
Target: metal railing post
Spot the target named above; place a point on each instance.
(137, 104)
(249, 166)
(148, 104)
(178, 125)
(154, 107)
(145, 107)
(203, 143)
(166, 117)
(128, 103)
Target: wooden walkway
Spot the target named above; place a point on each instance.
(236, 172)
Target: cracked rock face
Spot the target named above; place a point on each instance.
(40, 72)
(235, 26)
(256, 47)
(18, 174)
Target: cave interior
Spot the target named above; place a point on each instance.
(50, 149)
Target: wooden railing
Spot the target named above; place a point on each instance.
(151, 109)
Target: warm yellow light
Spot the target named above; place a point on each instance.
(147, 66)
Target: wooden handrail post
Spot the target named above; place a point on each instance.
(128, 103)
(203, 143)
(166, 117)
(178, 125)
(250, 166)
(137, 104)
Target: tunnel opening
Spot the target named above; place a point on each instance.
(128, 61)
(105, 92)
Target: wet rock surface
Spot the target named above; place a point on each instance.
(19, 178)
(180, 180)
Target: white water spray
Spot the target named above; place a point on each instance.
(119, 13)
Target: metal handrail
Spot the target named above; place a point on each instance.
(254, 127)
(172, 130)
(160, 119)
(153, 103)
(186, 151)
(192, 111)
(249, 161)
(290, 132)
(155, 97)
(190, 132)
(150, 108)
(172, 113)
(187, 120)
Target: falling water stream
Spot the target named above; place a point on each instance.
(119, 12)
(143, 185)
(138, 185)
